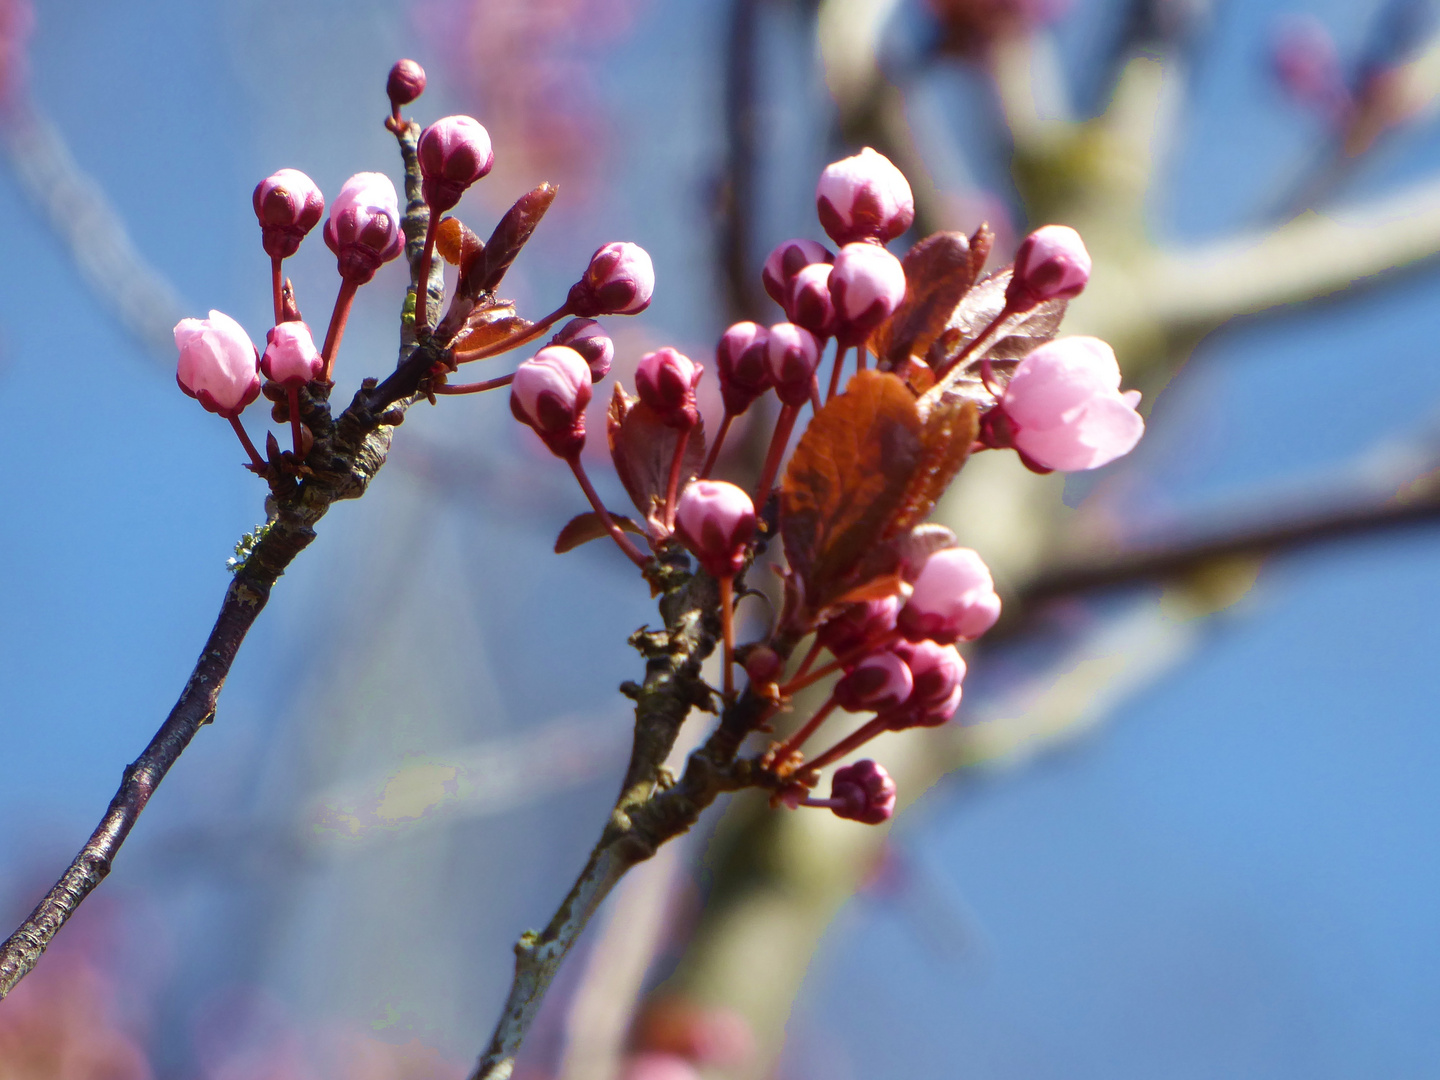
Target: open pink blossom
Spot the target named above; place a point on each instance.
(549, 393)
(787, 260)
(742, 365)
(588, 338)
(867, 284)
(363, 229)
(1052, 264)
(288, 204)
(454, 152)
(291, 358)
(862, 792)
(665, 380)
(1064, 406)
(219, 364)
(878, 683)
(716, 521)
(864, 197)
(619, 281)
(954, 599)
(794, 354)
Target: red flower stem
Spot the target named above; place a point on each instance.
(474, 387)
(794, 742)
(293, 392)
(856, 739)
(983, 338)
(727, 630)
(338, 318)
(835, 372)
(783, 426)
(514, 341)
(800, 680)
(814, 394)
(861, 357)
(672, 489)
(255, 457)
(715, 446)
(276, 287)
(826, 804)
(810, 658)
(616, 533)
(422, 288)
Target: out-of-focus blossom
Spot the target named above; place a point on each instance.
(1064, 407)
(864, 197)
(619, 281)
(219, 364)
(970, 27)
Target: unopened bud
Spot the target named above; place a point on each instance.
(665, 380)
(863, 792)
(588, 338)
(549, 393)
(619, 281)
(454, 152)
(742, 365)
(867, 284)
(219, 364)
(810, 304)
(716, 521)
(858, 625)
(291, 358)
(954, 599)
(289, 205)
(762, 664)
(363, 229)
(406, 82)
(864, 197)
(794, 355)
(1052, 264)
(787, 260)
(878, 683)
(937, 671)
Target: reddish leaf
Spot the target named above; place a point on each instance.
(583, 528)
(510, 235)
(951, 426)
(978, 309)
(490, 324)
(643, 447)
(456, 243)
(938, 272)
(847, 481)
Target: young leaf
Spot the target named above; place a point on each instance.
(938, 272)
(847, 481)
(489, 324)
(510, 235)
(643, 447)
(456, 243)
(978, 309)
(583, 528)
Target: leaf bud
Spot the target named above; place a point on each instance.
(794, 354)
(219, 364)
(742, 364)
(288, 204)
(619, 281)
(665, 380)
(1052, 264)
(716, 521)
(454, 152)
(549, 393)
(864, 197)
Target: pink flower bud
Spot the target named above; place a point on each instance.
(863, 792)
(454, 152)
(291, 358)
(219, 364)
(864, 197)
(878, 683)
(810, 304)
(742, 363)
(937, 671)
(858, 625)
(288, 205)
(619, 281)
(794, 354)
(1052, 264)
(866, 286)
(716, 521)
(550, 392)
(363, 229)
(406, 82)
(1065, 408)
(954, 599)
(588, 338)
(787, 260)
(665, 380)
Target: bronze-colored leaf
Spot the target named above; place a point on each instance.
(951, 426)
(847, 480)
(583, 528)
(978, 309)
(456, 243)
(489, 324)
(938, 272)
(643, 448)
(510, 235)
